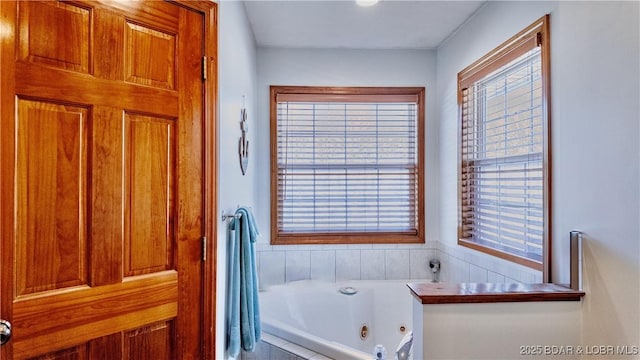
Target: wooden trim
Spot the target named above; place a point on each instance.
(391, 98)
(209, 11)
(353, 90)
(273, 116)
(476, 293)
(371, 94)
(8, 18)
(421, 163)
(500, 56)
(211, 187)
(500, 254)
(342, 238)
(480, 71)
(546, 157)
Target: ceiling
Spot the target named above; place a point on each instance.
(390, 24)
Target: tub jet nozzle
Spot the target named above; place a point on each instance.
(348, 290)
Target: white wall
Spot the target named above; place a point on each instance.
(595, 73)
(339, 67)
(237, 78)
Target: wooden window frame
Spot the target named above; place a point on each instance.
(346, 94)
(536, 34)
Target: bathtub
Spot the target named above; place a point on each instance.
(317, 316)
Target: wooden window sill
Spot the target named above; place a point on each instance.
(464, 293)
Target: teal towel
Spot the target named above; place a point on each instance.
(243, 305)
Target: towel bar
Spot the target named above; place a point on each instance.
(229, 216)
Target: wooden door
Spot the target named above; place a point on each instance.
(102, 179)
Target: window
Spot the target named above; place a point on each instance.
(504, 175)
(347, 165)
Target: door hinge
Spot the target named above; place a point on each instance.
(204, 68)
(204, 248)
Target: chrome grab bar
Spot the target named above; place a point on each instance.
(575, 271)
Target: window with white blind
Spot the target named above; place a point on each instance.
(504, 178)
(347, 165)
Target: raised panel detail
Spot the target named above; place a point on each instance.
(150, 181)
(75, 353)
(51, 174)
(153, 342)
(150, 56)
(106, 347)
(56, 34)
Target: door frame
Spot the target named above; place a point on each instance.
(209, 11)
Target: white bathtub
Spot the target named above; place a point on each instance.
(315, 315)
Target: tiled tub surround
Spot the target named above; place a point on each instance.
(318, 316)
(282, 264)
(463, 265)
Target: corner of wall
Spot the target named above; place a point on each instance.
(237, 84)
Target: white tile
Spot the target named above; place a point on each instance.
(262, 246)
(496, 278)
(409, 246)
(323, 265)
(335, 247)
(308, 247)
(257, 258)
(359, 246)
(477, 274)
(347, 265)
(372, 266)
(419, 264)
(445, 268)
(527, 278)
(459, 270)
(502, 267)
(298, 265)
(397, 264)
(271, 268)
(538, 277)
(509, 280)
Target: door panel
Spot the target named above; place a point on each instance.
(142, 68)
(51, 198)
(104, 215)
(149, 342)
(150, 236)
(56, 34)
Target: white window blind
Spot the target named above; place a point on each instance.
(347, 164)
(502, 173)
